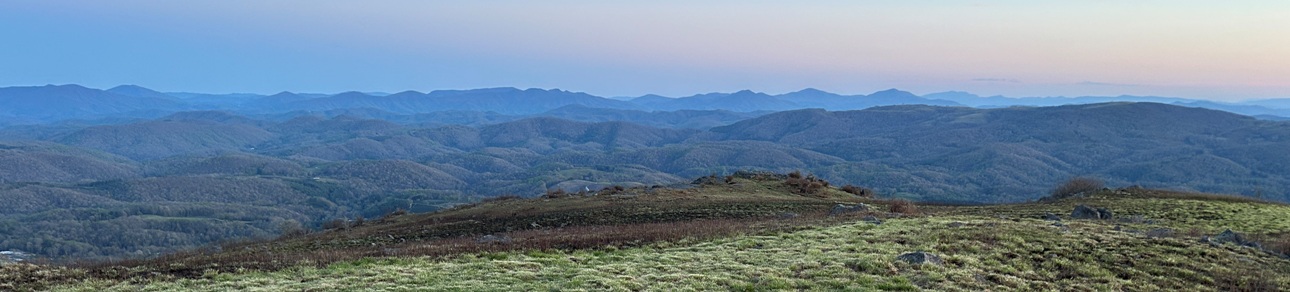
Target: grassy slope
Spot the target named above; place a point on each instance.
(984, 247)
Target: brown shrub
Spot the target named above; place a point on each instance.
(556, 193)
(396, 213)
(805, 184)
(858, 191)
(1077, 186)
(902, 206)
(292, 228)
(501, 198)
(334, 224)
(1273, 242)
(1236, 280)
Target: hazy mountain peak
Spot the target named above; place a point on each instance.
(407, 93)
(351, 94)
(893, 93)
(138, 91)
(810, 90)
(129, 87)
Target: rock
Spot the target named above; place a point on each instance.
(872, 219)
(840, 209)
(707, 180)
(1104, 214)
(787, 215)
(1086, 212)
(1229, 236)
(1051, 217)
(759, 175)
(920, 257)
(956, 224)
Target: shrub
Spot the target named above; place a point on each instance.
(1076, 187)
(291, 227)
(501, 198)
(858, 191)
(556, 193)
(396, 213)
(902, 206)
(805, 184)
(334, 224)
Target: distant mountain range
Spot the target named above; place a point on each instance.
(54, 103)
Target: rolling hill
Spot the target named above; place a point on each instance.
(208, 165)
(749, 232)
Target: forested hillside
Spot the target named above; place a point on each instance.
(190, 178)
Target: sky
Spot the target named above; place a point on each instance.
(1218, 50)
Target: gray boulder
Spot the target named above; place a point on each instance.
(1051, 217)
(920, 257)
(840, 209)
(1086, 212)
(1105, 214)
(872, 219)
(1229, 236)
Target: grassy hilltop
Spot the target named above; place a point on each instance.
(754, 232)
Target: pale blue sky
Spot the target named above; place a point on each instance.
(1225, 50)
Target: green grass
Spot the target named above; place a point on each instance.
(982, 254)
(985, 248)
(1182, 211)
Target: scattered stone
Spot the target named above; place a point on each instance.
(1086, 212)
(494, 239)
(13, 256)
(872, 219)
(1051, 217)
(1105, 214)
(920, 257)
(707, 180)
(759, 175)
(840, 209)
(956, 224)
(1229, 236)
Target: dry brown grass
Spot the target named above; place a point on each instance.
(858, 191)
(630, 218)
(1077, 186)
(902, 206)
(1198, 196)
(267, 256)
